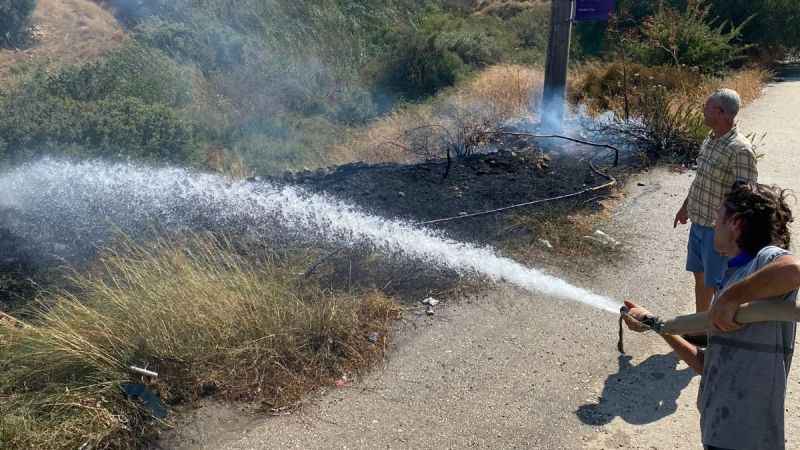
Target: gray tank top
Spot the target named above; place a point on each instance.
(743, 387)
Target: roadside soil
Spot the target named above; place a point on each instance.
(509, 369)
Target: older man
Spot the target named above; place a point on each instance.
(745, 368)
(726, 156)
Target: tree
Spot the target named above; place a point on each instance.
(773, 24)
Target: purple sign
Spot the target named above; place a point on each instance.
(593, 10)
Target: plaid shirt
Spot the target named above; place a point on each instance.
(721, 162)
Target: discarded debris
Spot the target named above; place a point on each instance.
(546, 243)
(373, 337)
(430, 301)
(429, 310)
(145, 372)
(603, 239)
(150, 400)
(342, 382)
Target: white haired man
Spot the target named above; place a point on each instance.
(726, 156)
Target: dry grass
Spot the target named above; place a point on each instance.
(495, 95)
(565, 228)
(202, 316)
(505, 92)
(600, 86)
(67, 32)
(749, 83)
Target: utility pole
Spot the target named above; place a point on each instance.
(555, 77)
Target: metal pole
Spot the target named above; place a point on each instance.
(555, 78)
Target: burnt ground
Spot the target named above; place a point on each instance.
(521, 172)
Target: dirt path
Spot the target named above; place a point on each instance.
(521, 371)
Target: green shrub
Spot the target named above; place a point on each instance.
(287, 142)
(14, 20)
(133, 71)
(441, 50)
(687, 38)
(116, 127)
(767, 23)
(122, 107)
(532, 29)
(203, 41)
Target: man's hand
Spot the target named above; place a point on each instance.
(722, 314)
(636, 314)
(682, 217)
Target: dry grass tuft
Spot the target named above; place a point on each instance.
(495, 95)
(601, 86)
(67, 32)
(749, 83)
(207, 319)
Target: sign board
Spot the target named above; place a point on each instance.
(593, 10)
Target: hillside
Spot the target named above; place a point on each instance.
(66, 32)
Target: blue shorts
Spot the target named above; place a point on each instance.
(703, 257)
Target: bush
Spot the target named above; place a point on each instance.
(286, 142)
(664, 104)
(117, 128)
(15, 18)
(602, 87)
(769, 24)
(203, 41)
(532, 28)
(662, 127)
(443, 49)
(122, 107)
(686, 38)
(240, 328)
(132, 71)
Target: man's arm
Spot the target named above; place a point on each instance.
(777, 278)
(744, 165)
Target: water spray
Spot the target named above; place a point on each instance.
(73, 204)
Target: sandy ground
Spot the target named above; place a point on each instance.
(515, 370)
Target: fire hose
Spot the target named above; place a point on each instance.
(763, 311)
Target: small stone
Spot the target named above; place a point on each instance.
(373, 337)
